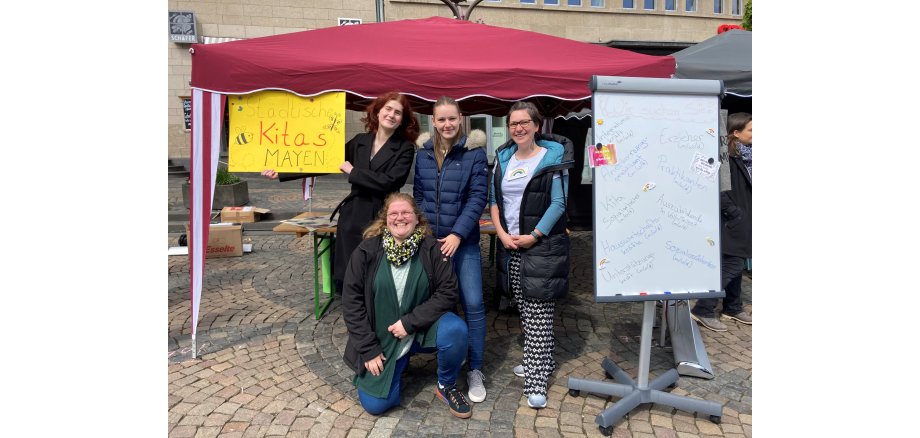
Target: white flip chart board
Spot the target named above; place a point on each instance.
(656, 188)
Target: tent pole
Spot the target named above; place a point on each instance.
(454, 8)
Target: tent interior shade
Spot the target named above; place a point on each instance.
(484, 67)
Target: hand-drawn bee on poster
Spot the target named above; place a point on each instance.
(335, 123)
(243, 137)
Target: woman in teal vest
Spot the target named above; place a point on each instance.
(528, 209)
(398, 299)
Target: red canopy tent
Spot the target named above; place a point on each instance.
(484, 67)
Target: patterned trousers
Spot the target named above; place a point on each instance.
(537, 324)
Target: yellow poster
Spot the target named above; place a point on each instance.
(288, 133)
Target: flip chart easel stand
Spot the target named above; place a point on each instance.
(686, 341)
(633, 394)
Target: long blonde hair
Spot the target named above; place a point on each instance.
(442, 145)
(380, 223)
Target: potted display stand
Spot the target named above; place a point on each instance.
(229, 191)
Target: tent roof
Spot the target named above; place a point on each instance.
(484, 67)
(726, 56)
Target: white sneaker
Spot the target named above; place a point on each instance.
(518, 370)
(477, 391)
(536, 401)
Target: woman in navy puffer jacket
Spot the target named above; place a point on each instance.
(450, 187)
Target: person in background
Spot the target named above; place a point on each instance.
(399, 294)
(528, 204)
(450, 187)
(735, 206)
(377, 163)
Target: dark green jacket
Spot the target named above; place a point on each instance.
(358, 297)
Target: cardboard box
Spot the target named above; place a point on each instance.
(242, 214)
(224, 240)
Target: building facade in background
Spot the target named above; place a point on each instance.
(656, 27)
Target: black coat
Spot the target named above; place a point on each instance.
(736, 211)
(371, 181)
(358, 297)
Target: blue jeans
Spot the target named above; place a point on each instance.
(468, 266)
(451, 342)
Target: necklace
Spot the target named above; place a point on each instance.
(533, 153)
(521, 162)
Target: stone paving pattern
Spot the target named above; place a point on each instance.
(267, 367)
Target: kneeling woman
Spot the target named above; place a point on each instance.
(399, 297)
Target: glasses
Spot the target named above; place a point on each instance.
(522, 124)
(397, 214)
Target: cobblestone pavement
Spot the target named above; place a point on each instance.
(267, 367)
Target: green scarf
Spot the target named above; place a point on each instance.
(388, 310)
(399, 253)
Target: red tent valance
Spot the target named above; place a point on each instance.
(485, 67)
